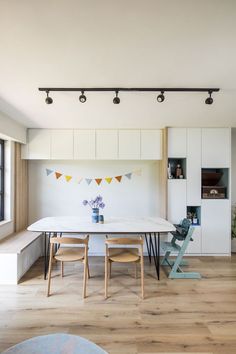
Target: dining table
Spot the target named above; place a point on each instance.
(152, 228)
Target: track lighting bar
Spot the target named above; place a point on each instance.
(140, 89)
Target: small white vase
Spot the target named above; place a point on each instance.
(233, 245)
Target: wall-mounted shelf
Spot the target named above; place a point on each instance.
(194, 213)
(176, 168)
(215, 182)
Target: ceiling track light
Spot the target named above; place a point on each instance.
(48, 99)
(209, 100)
(82, 97)
(161, 97)
(116, 100)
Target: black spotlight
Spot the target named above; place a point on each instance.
(82, 97)
(48, 99)
(209, 100)
(116, 99)
(161, 97)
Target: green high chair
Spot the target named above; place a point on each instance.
(183, 234)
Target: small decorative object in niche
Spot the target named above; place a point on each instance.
(194, 214)
(176, 168)
(95, 205)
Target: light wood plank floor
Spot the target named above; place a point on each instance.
(177, 316)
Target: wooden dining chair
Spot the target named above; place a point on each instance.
(123, 255)
(69, 254)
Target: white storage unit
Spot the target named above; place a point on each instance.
(39, 144)
(216, 226)
(216, 147)
(93, 144)
(129, 144)
(84, 144)
(176, 200)
(62, 145)
(151, 144)
(107, 144)
(203, 148)
(177, 142)
(194, 149)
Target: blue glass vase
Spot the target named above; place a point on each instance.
(95, 215)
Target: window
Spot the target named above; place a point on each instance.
(1, 180)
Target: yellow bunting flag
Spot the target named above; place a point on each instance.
(118, 178)
(98, 180)
(68, 178)
(108, 179)
(58, 175)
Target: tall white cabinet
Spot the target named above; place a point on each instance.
(196, 149)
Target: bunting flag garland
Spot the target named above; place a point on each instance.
(88, 180)
(108, 179)
(128, 175)
(58, 175)
(118, 178)
(97, 180)
(68, 178)
(48, 172)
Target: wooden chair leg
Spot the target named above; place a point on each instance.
(62, 269)
(110, 262)
(85, 277)
(106, 277)
(88, 272)
(142, 276)
(135, 270)
(49, 273)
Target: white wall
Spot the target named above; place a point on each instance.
(11, 130)
(233, 161)
(7, 226)
(136, 197)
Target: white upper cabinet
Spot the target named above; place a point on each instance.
(194, 149)
(216, 147)
(84, 144)
(177, 142)
(107, 144)
(151, 144)
(62, 144)
(39, 144)
(129, 144)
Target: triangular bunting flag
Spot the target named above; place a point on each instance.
(58, 175)
(48, 172)
(118, 178)
(108, 179)
(80, 180)
(88, 180)
(68, 178)
(98, 180)
(138, 172)
(128, 175)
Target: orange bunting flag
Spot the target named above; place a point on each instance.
(98, 180)
(58, 175)
(68, 178)
(108, 179)
(118, 178)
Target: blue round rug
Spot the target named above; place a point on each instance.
(59, 343)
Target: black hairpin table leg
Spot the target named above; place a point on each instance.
(148, 249)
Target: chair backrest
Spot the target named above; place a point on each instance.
(186, 223)
(70, 240)
(124, 241)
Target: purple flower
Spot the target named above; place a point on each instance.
(95, 203)
(102, 205)
(85, 202)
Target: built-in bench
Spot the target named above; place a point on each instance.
(17, 254)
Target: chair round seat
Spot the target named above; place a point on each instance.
(65, 254)
(123, 255)
(58, 343)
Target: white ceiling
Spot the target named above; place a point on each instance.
(152, 43)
